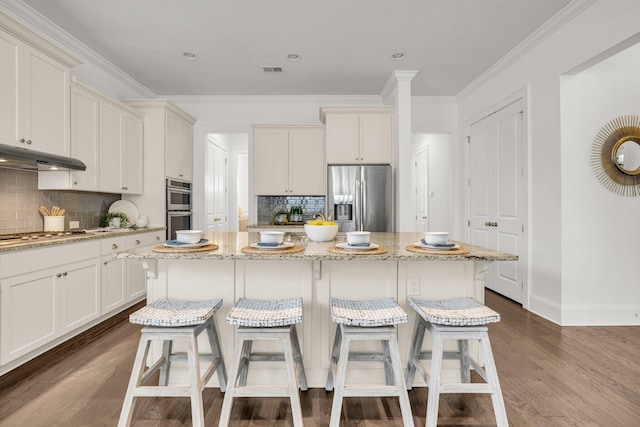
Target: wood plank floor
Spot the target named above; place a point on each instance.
(550, 376)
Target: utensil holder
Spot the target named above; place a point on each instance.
(54, 223)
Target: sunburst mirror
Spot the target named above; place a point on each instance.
(615, 156)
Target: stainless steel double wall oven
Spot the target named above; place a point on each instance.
(179, 207)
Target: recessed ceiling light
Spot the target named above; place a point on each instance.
(190, 55)
(293, 57)
(397, 56)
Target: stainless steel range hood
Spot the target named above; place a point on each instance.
(24, 158)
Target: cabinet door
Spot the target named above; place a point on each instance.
(306, 162)
(85, 128)
(271, 161)
(78, 288)
(46, 103)
(110, 148)
(131, 155)
(28, 316)
(342, 139)
(375, 138)
(113, 283)
(185, 150)
(10, 52)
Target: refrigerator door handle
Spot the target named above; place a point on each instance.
(358, 207)
(363, 203)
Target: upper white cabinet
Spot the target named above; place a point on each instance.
(289, 160)
(358, 134)
(34, 83)
(178, 146)
(166, 124)
(107, 136)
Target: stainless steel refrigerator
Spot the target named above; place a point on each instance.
(360, 197)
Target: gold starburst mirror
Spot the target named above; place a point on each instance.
(615, 156)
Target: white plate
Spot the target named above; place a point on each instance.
(345, 245)
(188, 245)
(435, 248)
(285, 245)
(127, 208)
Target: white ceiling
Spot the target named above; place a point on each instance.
(345, 45)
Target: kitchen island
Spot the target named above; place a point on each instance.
(316, 272)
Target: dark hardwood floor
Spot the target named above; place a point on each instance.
(550, 376)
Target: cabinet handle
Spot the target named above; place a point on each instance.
(28, 141)
(137, 242)
(58, 275)
(157, 237)
(124, 188)
(181, 175)
(65, 273)
(105, 263)
(114, 246)
(75, 182)
(22, 140)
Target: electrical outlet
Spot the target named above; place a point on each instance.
(413, 285)
(74, 224)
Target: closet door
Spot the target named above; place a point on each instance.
(497, 195)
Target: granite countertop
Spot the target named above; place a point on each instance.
(231, 243)
(74, 238)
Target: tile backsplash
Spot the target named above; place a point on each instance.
(269, 205)
(20, 199)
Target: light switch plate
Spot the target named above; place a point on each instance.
(74, 224)
(413, 286)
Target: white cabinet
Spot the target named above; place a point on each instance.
(114, 277)
(121, 145)
(107, 136)
(289, 160)
(43, 303)
(358, 134)
(179, 147)
(34, 82)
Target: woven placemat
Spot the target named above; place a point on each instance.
(377, 251)
(290, 250)
(455, 251)
(167, 250)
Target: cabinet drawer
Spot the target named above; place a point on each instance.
(21, 262)
(145, 239)
(112, 245)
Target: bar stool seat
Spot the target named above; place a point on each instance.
(168, 320)
(361, 321)
(265, 320)
(461, 319)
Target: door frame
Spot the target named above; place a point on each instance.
(525, 190)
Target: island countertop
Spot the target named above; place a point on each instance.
(230, 246)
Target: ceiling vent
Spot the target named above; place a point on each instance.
(271, 69)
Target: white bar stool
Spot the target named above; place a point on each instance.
(462, 320)
(168, 320)
(265, 320)
(363, 321)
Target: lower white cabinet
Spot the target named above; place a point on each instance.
(42, 305)
(114, 277)
(136, 276)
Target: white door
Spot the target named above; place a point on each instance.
(421, 166)
(497, 195)
(216, 188)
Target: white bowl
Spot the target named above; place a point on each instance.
(272, 237)
(436, 237)
(321, 233)
(358, 237)
(189, 236)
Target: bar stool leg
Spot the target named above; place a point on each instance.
(167, 346)
(244, 362)
(195, 382)
(416, 347)
(405, 405)
(465, 373)
(388, 370)
(289, 359)
(214, 343)
(225, 412)
(335, 355)
(134, 381)
(297, 353)
(492, 373)
(339, 378)
(434, 381)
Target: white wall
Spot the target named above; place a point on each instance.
(439, 177)
(600, 229)
(603, 25)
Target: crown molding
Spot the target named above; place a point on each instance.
(559, 20)
(277, 99)
(434, 100)
(47, 29)
(395, 77)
